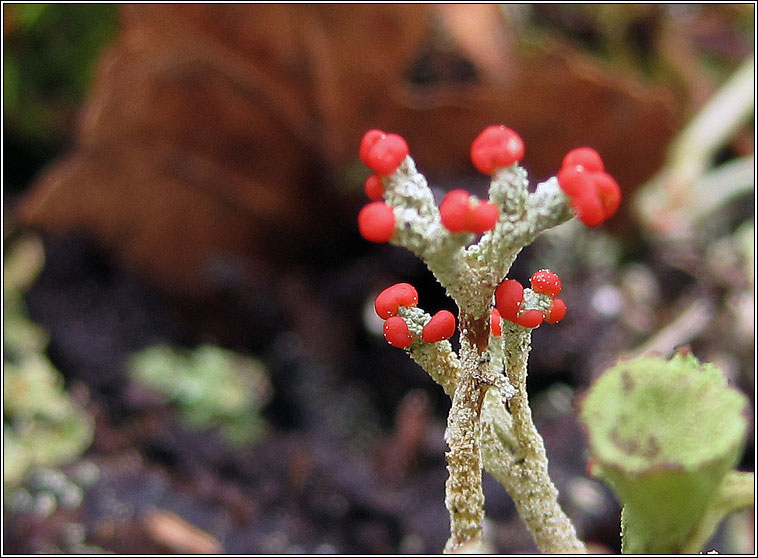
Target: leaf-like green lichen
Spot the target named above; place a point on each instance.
(663, 434)
(42, 425)
(211, 388)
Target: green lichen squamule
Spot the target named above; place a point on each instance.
(663, 434)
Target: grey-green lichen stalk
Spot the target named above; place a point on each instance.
(470, 272)
(490, 423)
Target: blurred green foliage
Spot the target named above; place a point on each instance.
(50, 55)
(631, 36)
(49, 59)
(42, 425)
(211, 388)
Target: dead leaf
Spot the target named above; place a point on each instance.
(213, 133)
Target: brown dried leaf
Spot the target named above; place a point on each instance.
(198, 145)
(195, 145)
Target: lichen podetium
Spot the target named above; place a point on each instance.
(469, 245)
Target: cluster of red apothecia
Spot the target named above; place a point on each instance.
(462, 212)
(594, 194)
(510, 294)
(508, 298)
(382, 153)
(396, 332)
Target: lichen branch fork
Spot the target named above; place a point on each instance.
(469, 245)
(593, 194)
(390, 302)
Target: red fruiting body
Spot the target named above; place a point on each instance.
(396, 332)
(588, 208)
(459, 213)
(381, 152)
(454, 210)
(388, 153)
(608, 191)
(510, 294)
(496, 147)
(574, 181)
(483, 217)
(374, 187)
(556, 312)
(367, 142)
(586, 158)
(441, 326)
(400, 294)
(530, 318)
(376, 222)
(496, 328)
(546, 282)
(508, 297)
(595, 195)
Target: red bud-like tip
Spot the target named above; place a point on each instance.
(440, 327)
(546, 282)
(374, 187)
(382, 152)
(595, 195)
(376, 222)
(556, 312)
(460, 212)
(367, 142)
(483, 217)
(454, 210)
(508, 297)
(584, 157)
(496, 147)
(530, 318)
(396, 332)
(608, 191)
(400, 294)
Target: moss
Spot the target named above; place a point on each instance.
(42, 425)
(210, 387)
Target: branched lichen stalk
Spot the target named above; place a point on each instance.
(490, 422)
(470, 276)
(514, 453)
(511, 449)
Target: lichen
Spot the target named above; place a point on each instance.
(663, 434)
(470, 254)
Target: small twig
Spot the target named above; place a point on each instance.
(693, 321)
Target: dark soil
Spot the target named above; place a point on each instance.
(335, 474)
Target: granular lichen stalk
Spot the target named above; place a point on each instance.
(469, 245)
(521, 464)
